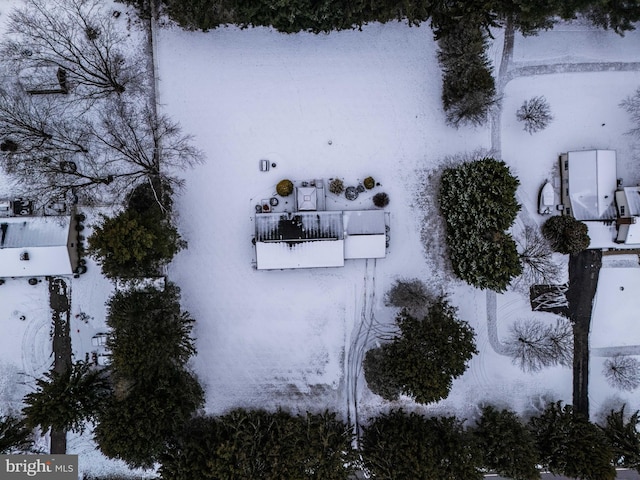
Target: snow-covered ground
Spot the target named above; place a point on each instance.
(349, 105)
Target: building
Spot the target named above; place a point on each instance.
(318, 239)
(37, 246)
(589, 180)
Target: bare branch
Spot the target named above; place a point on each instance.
(76, 36)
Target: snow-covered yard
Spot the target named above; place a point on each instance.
(348, 105)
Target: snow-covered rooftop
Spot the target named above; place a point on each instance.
(34, 246)
(592, 183)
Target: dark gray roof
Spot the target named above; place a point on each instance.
(298, 226)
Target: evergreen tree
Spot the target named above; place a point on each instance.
(477, 200)
(154, 394)
(14, 435)
(145, 412)
(65, 401)
(150, 332)
(571, 445)
(624, 438)
(424, 358)
(139, 240)
(507, 445)
(400, 445)
(261, 445)
(566, 234)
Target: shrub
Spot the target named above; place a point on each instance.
(284, 187)
(566, 234)
(477, 200)
(535, 114)
(369, 183)
(336, 186)
(381, 200)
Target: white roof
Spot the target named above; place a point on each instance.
(305, 254)
(307, 198)
(592, 183)
(43, 239)
(632, 195)
(615, 310)
(365, 246)
(364, 222)
(43, 261)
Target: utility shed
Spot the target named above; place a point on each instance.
(36, 246)
(365, 234)
(589, 181)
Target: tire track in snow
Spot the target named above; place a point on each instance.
(359, 344)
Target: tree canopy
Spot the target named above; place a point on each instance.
(571, 445)
(154, 393)
(622, 432)
(424, 358)
(138, 240)
(255, 444)
(566, 234)
(507, 445)
(477, 200)
(408, 445)
(65, 401)
(15, 436)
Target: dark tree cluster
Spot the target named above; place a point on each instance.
(408, 445)
(424, 358)
(560, 440)
(140, 239)
(468, 86)
(289, 16)
(257, 445)
(154, 393)
(477, 200)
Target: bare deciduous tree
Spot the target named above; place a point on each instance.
(535, 113)
(148, 144)
(77, 36)
(533, 345)
(51, 158)
(622, 372)
(536, 257)
(631, 105)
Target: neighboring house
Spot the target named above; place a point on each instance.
(591, 193)
(37, 246)
(589, 180)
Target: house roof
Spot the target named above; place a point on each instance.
(298, 226)
(307, 198)
(309, 254)
(632, 195)
(318, 239)
(364, 222)
(42, 239)
(592, 183)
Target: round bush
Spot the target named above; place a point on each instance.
(566, 234)
(284, 187)
(351, 193)
(381, 200)
(336, 186)
(369, 183)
